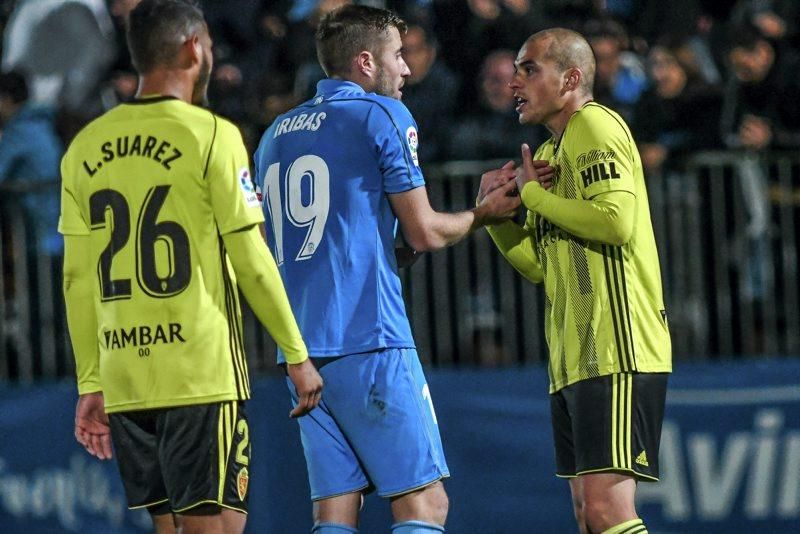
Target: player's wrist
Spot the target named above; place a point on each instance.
(480, 215)
(297, 359)
(531, 194)
(89, 388)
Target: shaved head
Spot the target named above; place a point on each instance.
(568, 49)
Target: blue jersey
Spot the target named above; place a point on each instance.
(324, 170)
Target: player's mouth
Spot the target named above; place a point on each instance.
(520, 103)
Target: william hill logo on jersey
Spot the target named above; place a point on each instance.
(593, 166)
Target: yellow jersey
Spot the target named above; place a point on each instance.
(604, 308)
(155, 184)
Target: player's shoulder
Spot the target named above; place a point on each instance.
(376, 106)
(203, 126)
(597, 116)
(391, 106)
(225, 127)
(201, 121)
(194, 119)
(96, 127)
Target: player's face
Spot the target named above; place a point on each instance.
(537, 83)
(199, 93)
(392, 69)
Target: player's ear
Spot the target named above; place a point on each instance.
(365, 63)
(191, 51)
(572, 79)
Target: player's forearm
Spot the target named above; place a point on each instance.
(438, 230)
(258, 277)
(516, 246)
(607, 219)
(81, 315)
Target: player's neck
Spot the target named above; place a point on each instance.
(559, 122)
(166, 82)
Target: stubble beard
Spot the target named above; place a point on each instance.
(200, 89)
(384, 85)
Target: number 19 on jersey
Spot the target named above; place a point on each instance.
(307, 202)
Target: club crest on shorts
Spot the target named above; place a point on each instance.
(413, 143)
(242, 481)
(248, 191)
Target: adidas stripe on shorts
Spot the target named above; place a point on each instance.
(610, 423)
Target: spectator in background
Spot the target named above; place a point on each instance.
(30, 151)
(620, 78)
(267, 86)
(469, 30)
(775, 19)
(430, 92)
(122, 77)
(299, 46)
(245, 50)
(679, 113)
(761, 108)
(494, 127)
(65, 47)
(760, 111)
(655, 18)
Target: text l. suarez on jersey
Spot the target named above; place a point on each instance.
(143, 146)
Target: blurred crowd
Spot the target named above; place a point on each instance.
(687, 75)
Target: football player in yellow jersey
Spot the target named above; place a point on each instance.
(589, 239)
(161, 222)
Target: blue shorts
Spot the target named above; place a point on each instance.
(375, 427)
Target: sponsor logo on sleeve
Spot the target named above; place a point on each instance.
(248, 191)
(413, 143)
(597, 165)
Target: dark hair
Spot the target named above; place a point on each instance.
(345, 32)
(681, 51)
(157, 28)
(744, 35)
(13, 84)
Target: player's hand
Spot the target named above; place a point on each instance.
(544, 172)
(406, 256)
(308, 383)
(91, 425)
(493, 179)
(499, 205)
(532, 170)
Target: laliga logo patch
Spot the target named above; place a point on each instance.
(242, 481)
(413, 143)
(246, 184)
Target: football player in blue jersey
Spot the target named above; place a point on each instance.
(336, 175)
